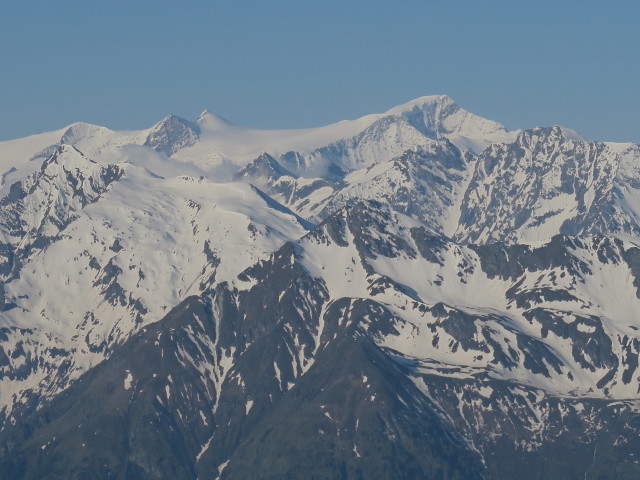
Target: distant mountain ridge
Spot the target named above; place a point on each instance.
(413, 294)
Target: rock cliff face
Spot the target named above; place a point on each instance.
(425, 295)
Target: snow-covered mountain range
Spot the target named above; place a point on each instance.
(414, 294)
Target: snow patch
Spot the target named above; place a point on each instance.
(128, 380)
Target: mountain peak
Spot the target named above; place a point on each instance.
(426, 100)
(171, 134)
(571, 134)
(66, 153)
(439, 115)
(172, 119)
(263, 167)
(212, 121)
(80, 131)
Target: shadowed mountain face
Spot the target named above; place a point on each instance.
(278, 374)
(206, 353)
(172, 134)
(416, 294)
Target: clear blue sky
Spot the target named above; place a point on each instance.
(299, 63)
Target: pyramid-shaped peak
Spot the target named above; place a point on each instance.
(263, 166)
(212, 121)
(172, 121)
(265, 157)
(171, 134)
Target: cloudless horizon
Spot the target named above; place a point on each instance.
(293, 64)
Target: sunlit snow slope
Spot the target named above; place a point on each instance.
(419, 293)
